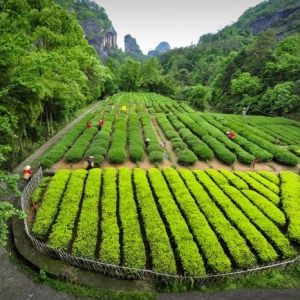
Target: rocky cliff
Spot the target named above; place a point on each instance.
(95, 23)
(100, 38)
(286, 22)
(131, 46)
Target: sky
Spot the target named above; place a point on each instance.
(180, 23)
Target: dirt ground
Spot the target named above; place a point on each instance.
(200, 165)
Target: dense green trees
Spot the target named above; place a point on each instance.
(48, 70)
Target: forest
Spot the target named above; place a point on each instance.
(49, 70)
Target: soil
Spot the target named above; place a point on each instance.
(200, 165)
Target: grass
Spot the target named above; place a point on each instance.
(77, 290)
(269, 279)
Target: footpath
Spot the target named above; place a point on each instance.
(15, 285)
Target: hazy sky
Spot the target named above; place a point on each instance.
(180, 23)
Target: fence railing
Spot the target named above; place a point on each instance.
(126, 272)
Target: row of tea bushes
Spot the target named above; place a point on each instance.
(59, 150)
(258, 187)
(78, 149)
(186, 157)
(62, 230)
(110, 231)
(132, 242)
(290, 193)
(135, 141)
(163, 259)
(244, 150)
(117, 152)
(188, 222)
(280, 242)
(154, 150)
(87, 229)
(238, 250)
(254, 237)
(51, 201)
(268, 184)
(216, 259)
(186, 248)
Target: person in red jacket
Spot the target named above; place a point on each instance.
(27, 173)
(230, 134)
(101, 123)
(88, 125)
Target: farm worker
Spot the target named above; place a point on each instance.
(230, 134)
(101, 122)
(277, 141)
(27, 173)
(256, 160)
(162, 144)
(88, 125)
(147, 141)
(90, 162)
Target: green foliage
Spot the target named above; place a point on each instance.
(117, 155)
(156, 156)
(7, 210)
(187, 158)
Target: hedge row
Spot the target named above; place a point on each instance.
(221, 152)
(110, 251)
(87, 229)
(266, 206)
(258, 187)
(290, 195)
(257, 241)
(134, 252)
(76, 153)
(135, 141)
(38, 193)
(270, 176)
(161, 251)
(62, 231)
(188, 252)
(268, 184)
(244, 150)
(117, 152)
(265, 225)
(59, 150)
(236, 246)
(154, 150)
(46, 214)
(217, 260)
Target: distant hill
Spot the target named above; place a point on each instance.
(161, 48)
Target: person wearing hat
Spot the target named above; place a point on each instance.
(230, 134)
(27, 174)
(90, 162)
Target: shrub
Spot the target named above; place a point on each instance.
(187, 158)
(156, 156)
(117, 155)
(154, 147)
(136, 153)
(98, 159)
(170, 134)
(179, 146)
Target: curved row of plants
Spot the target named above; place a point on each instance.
(185, 156)
(186, 222)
